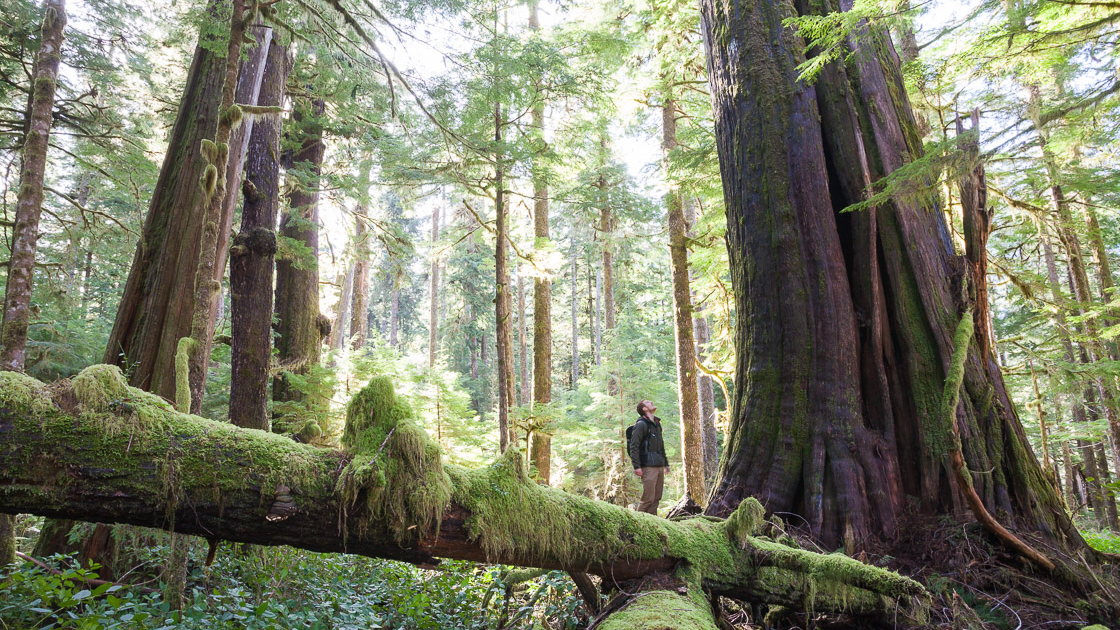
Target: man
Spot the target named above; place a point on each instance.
(647, 453)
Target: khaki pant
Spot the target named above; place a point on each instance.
(653, 484)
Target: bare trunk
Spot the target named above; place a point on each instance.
(705, 387)
(359, 316)
(575, 315)
(433, 313)
(606, 228)
(597, 318)
(299, 330)
(692, 448)
(977, 220)
(502, 299)
(524, 396)
(395, 313)
(29, 200)
(252, 256)
(340, 327)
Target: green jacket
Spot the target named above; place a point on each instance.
(652, 452)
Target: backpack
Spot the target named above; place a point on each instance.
(630, 432)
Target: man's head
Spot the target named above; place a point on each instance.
(644, 406)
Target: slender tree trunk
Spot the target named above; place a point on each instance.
(524, 393)
(842, 364)
(297, 281)
(503, 319)
(359, 316)
(29, 200)
(606, 228)
(692, 448)
(395, 311)
(1096, 498)
(433, 313)
(575, 314)
(597, 318)
(977, 220)
(705, 387)
(252, 256)
(340, 327)
(29, 206)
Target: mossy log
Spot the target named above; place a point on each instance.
(95, 449)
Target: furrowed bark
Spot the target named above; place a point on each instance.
(151, 318)
(207, 282)
(846, 319)
(692, 447)
(252, 255)
(29, 199)
(63, 454)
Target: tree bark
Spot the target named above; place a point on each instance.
(708, 436)
(297, 280)
(540, 444)
(575, 314)
(249, 486)
(253, 253)
(29, 199)
(340, 327)
(151, 316)
(433, 313)
(841, 362)
(692, 448)
(359, 316)
(524, 397)
(502, 299)
(977, 221)
(606, 238)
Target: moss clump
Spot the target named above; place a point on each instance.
(396, 473)
(19, 391)
(748, 520)
(103, 393)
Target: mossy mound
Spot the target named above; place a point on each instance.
(396, 474)
(19, 391)
(103, 392)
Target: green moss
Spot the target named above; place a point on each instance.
(950, 397)
(746, 521)
(1095, 626)
(19, 391)
(396, 473)
(662, 610)
(183, 352)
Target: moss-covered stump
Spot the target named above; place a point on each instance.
(96, 449)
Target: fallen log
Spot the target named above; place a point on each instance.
(95, 449)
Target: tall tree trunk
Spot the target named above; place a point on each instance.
(524, 393)
(299, 331)
(29, 199)
(359, 316)
(606, 238)
(29, 206)
(502, 300)
(152, 316)
(841, 364)
(395, 310)
(977, 221)
(433, 313)
(252, 255)
(597, 319)
(705, 387)
(575, 314)
(692, 448)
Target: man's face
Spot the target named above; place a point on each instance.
(649, 406)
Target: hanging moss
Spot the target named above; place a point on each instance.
(396, 473)
(183, 351)
(746, 521)
(951, 395)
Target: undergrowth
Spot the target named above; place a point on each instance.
(282, 588)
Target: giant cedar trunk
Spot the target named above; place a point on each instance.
(845, 321)
(152, 316)
(297, 280)
(252, 256)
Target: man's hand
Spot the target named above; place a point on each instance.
(638, 472)
(667, 470)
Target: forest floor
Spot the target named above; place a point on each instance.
(976, 586)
